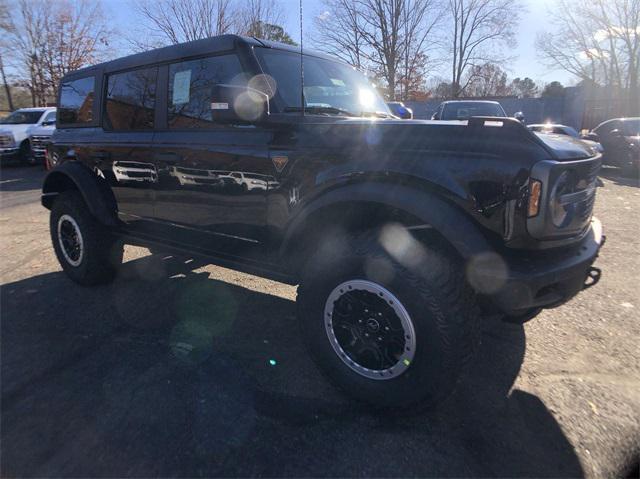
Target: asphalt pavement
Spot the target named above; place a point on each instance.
(184, 369)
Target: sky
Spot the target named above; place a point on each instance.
(526, 63)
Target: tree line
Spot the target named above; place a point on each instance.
(403, 42)
(404, 45)
(42, 40)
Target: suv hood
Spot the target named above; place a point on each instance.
(566, 148)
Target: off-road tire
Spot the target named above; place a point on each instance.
(102, 252)
(435, 294)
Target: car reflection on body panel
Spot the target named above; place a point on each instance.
(134, 171)
(196, 176)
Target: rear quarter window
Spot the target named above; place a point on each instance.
(76, 101)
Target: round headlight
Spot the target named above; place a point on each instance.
(562, 213)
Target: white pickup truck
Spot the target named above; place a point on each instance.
(17, 128)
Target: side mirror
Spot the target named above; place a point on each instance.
(235, 103)
(48, 123)
(519, 116)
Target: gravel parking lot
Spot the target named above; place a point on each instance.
(180, 369)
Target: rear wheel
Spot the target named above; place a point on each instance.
(86, 250)
(390, 331)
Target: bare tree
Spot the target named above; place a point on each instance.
(419, 21)
(50, 39)
(479, 28)
(339, 32)
(487, 80)
(6, 25)
(258, 17)
(597, 41)
(167, 22)
(76, 35)
(386, 36)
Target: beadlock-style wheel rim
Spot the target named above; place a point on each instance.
(70, 240)
(369, 329)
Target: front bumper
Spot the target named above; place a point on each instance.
(9, 152)
(546, 279)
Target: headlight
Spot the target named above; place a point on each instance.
(561, 210)
(9, 140)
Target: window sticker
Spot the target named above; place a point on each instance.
(181, 84)
(219, 106)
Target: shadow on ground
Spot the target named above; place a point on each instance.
(169, 373)
(620, 177)
(21, 178)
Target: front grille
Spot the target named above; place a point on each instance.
(574, 194)
(6, 141)
(39, 143)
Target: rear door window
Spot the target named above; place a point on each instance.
(76, 101)
(190, 88)
(130, 100)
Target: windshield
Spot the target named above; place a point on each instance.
(464, 110)
(631, 127)
(327, 84)
(50, 117)
(22, 118)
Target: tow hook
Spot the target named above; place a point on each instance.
(593, 276)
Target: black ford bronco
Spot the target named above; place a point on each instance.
(400, 234)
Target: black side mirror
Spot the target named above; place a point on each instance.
(47, 123)
(238, 104)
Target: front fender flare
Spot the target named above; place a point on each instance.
(94, 190)
(445, 217)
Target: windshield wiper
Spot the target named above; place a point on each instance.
(330, 110)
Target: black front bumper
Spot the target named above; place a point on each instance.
(546, 279)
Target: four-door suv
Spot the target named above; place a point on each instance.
(400, 233)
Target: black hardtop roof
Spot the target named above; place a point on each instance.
(211, 45)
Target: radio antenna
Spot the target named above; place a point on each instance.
(301, 66)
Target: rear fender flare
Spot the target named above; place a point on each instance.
(94, 190)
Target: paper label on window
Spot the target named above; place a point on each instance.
(181, 84)
(219, 106)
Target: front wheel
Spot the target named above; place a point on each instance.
(389, 328)
(86, 250)
(25, 155)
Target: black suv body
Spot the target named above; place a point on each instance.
(400, 233)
